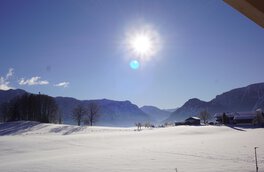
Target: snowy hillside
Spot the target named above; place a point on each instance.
(36, 128)
(34, 147)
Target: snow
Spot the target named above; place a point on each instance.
(35, 147)
(194, 117)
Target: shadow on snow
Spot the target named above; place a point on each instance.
(22, 127)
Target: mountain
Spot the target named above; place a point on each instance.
(112, 113)
(170, 110)
(155, 113)
(7, 95)
(119, 113)
(124, 113)
(66, 106)
(242, 99)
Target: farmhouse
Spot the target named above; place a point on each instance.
(189, 121)
(224, 118)
(244, 117)
(240, 117)
(193, 121)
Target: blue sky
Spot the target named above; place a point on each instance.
(76, 49)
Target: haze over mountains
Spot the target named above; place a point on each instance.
(157, 115)
(125, 113)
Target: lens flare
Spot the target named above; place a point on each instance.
(134, 64)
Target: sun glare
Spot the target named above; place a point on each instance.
(142, 42)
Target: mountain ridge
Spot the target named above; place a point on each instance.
(248, 98)
(125, 113)
(112, 112)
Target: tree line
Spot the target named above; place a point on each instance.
(43, 108)
(31, 107)
(87, 115)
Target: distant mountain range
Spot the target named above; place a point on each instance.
(112, 113)
(124, 113)
(242, 99)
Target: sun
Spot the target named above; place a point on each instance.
(141, 44)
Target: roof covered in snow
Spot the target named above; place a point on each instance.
(193, 117)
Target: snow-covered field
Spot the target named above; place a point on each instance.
(34, 147)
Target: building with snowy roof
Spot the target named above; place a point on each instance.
(238, 117)
(193, 121)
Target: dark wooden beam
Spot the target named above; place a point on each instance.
(253, 9)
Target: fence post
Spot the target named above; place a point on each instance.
(256, 158)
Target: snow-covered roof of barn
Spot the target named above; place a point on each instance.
(194, 117)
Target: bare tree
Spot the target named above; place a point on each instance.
(92, 113)
(205, 116)
(138, 125)
(78, 114)
(147, 125)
